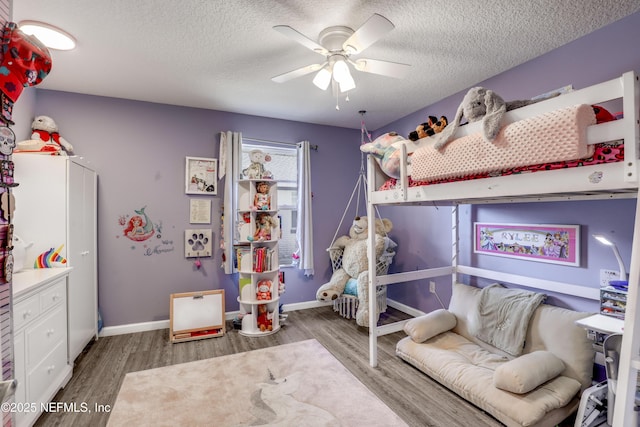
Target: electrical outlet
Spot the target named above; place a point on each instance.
(608, 275)
(432, 287)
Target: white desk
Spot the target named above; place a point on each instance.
(602, 324)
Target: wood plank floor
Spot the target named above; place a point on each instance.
(100, 370)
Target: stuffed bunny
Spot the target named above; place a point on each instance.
(486, 105)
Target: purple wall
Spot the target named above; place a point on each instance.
(138, 150)
(599, 56)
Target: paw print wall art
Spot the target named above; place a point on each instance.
(197, 243)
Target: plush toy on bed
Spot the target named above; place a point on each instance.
(484, 104)
(45, 139)
(355, 266)
(429, 128)
(386, 153)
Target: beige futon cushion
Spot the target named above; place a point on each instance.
(431, 324)
(524, 373)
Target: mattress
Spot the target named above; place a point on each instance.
(602, 153)
(553, 136)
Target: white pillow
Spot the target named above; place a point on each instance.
(524, 373)
(431, 324)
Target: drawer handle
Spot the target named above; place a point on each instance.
(26, 314)
(50, 332)
(55, 297)
(51, 368)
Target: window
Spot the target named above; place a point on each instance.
(284, 168)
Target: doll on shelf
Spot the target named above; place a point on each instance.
(262, 199)
(264, 224)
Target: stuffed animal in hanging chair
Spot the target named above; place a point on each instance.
(354, 269)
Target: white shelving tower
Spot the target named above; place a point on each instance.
(257, 257)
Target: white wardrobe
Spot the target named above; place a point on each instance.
(56, 206)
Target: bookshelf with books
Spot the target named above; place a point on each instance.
(256, 256)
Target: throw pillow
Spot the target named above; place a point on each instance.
(431, 324)
(524, 373)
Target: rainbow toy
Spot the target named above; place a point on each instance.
(48, 258)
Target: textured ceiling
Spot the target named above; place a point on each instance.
(221, 54)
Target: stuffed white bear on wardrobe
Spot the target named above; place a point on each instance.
(45, 139)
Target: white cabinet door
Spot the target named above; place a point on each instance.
(41, 203)
(83, 305)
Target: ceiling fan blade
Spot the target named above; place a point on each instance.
(372, 30)
(297, 73)
(384, 68)
(300, 38)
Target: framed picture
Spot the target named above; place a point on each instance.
(199, 211)
(201, 176)
(556, 244)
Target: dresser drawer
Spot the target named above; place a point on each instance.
(47, 372)
(25, 311)
(42, 336)
(54, 295)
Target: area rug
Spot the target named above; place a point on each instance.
(299, 384)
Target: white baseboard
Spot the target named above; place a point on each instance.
(132, 328)
(305, 305)
(405, 308)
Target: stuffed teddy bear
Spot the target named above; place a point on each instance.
(263, 290)
(484, 104)
(385, 152)
(429, 128)
(45, 138)
(264, 319)
(355, 264)
(439, 125)
(256, 169)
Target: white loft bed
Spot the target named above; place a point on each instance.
(618, 180)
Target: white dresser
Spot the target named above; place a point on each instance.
(42, 365)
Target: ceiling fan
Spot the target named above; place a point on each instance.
(337, 45)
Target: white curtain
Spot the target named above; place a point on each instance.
(230, 143)
(304, 233)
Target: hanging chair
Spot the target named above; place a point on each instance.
(347, 303)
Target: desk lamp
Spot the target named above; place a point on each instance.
(623, 273)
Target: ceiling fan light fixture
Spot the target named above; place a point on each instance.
(50, 36)
(322, 78)
(341, 71)
(347, 84)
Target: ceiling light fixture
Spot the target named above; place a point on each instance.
(50, 36)
(602, 239)
(338, 69)
(323, 78)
